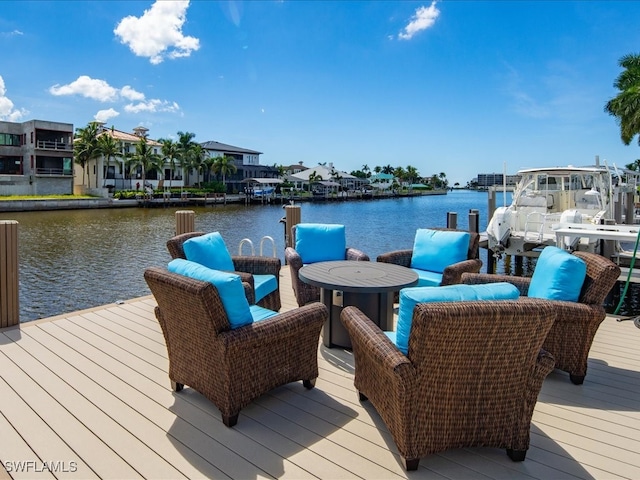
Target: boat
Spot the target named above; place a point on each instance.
(548, 197)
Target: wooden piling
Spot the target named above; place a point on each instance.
(9, 297)
(292, 217)
(452, 220)
(185, 221)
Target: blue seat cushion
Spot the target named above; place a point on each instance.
(263, 285)
(319, 242)
(427, 278)
(411, 296)
(435, 250)
(228, 285)
(558, 275)
(261, 313)
(209, 250)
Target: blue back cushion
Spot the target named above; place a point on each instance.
(410, 297)
(558, 275)
(209, 250)
(264, 285)
(229, 286)
(318, 242)
(434, 250)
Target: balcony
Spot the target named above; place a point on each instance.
(53, 145)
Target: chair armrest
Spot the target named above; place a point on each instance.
(257, 265)
(249, 293)
(521, 283)
(292, 258)
(452, 274)
(285, 327)
(373, 347)
(398, 257)
(356, 255)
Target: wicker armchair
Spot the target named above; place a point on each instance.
(471, 378)
(231, 367)
(304, 292)
(245, 265)
(453, 273)
(572, 334)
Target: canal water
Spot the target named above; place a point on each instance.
(75, 259)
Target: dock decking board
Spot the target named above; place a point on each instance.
(91, 387)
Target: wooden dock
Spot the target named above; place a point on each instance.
(86, 395)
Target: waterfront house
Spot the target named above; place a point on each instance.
(36, 158)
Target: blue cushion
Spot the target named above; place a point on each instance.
(209, 250)
(558, 275)
(261, 313)
(427, 278)
(263, 285)
(229, 286)
(410, 297)
(435, 250)
(317, 242)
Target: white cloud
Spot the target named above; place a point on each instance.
(153, 105)
(157, 34)
(131, 94)
(13, 33)
(105, 115)
(87, 87)
(424, 18)
(7, 111)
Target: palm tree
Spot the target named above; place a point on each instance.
(144, 158)
(388, 169)
(85, 147)
(626, 105)
(634, 165)
(366, 170)
(412, 174)
(197, 159)
(185, 150)
(109, 148)
(224, 165)
(170, 154)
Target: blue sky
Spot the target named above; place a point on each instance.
(461, 87)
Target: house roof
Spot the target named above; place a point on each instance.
(126, 137)
(321, 170)
(223, 147)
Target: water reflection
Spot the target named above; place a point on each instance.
(76, 259)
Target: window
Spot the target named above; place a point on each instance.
(10, 165)
(10, 139)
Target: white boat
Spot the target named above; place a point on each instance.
(547, 197)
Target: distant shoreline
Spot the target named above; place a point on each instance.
(45, 204)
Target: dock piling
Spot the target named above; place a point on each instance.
(185, 221)
(9, 297)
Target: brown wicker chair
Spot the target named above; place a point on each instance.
(304, 292)
(231, 367)
(245, 265)
(453, 273)
(471, 378)
(572, 334)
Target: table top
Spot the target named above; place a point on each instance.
(353, 276)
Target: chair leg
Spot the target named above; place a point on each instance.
(230, 420)
(176, 387)
(362, 397)
(309, 384)
(411, 464)
(516, 455)
(576, 379)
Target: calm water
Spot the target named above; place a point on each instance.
(71, 260)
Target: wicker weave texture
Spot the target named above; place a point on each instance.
(471, 378)
(245, 265)
(231, 367)
(572, 334)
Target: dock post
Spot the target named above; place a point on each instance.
(452, 220)
(9, 297)
(474, 224)
(292, 217)
(630, 210)
(185, 221)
